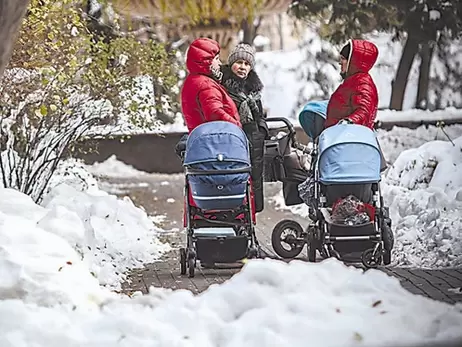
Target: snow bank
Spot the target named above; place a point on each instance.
(435, 164)
(92, 230)
(267, 303)
(398, 139)
(449, 113)
(36, 264)
(423, 189)
(112, 167)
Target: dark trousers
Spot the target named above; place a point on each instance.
(256, 136)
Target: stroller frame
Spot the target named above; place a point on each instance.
(217, 248)
(319, 237)
(322, 236)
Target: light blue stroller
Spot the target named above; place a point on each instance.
(345, 165)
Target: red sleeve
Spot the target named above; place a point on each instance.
(362, 102)
(211, 105)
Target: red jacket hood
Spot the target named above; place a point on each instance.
(200, 55)
(363, 55)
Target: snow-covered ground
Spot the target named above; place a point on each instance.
(63, 262)
(269, 303)
(59, 261)
(423, 189)
(82, 229)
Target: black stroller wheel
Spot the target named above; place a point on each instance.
(191, 267)
(182, 261)
(388, 242)
(386, 257)
(371, 260)
(294, 241)
(311, 244)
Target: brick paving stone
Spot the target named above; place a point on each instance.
(446, 276)
(432, 285)
(453, 273)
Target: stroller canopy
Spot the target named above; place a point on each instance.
(312, 117)
(217, 141)
(348, 153)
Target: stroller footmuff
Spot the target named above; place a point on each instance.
(219, 214)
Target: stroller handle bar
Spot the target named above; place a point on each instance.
(290, 127)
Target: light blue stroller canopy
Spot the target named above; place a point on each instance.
(217, 162)
(348, 154)
(312, 118)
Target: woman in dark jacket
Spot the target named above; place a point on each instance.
(245, 87)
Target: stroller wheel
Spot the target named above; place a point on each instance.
(371, 260)
(182, 261)
(388, 242)
(290, 245)
(311, 244)
(191, 267)
(386, 257)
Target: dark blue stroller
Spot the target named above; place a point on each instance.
(218, 212)
(345, 163)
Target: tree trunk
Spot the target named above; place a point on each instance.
(250, 30)
(426, 54)
(11, 15)
(280, 32)
(402, 74)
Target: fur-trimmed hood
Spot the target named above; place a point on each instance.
(251, 85)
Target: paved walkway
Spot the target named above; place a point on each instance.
(162, 195)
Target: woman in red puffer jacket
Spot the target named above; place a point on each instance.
(203, 98)
(356, 99)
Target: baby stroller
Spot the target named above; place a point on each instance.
(218, 210)
(345, 167)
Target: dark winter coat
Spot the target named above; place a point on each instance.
(203, 99)
(246, 93)
(356, 98)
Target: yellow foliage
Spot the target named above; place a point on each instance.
(190, 11)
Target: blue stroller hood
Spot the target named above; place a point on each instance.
(217, 141)
(217, 162)
(348, 154)
(312, 117)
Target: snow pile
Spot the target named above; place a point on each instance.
(398, 139)
(110, 235)
(333, 304)
(36, 264)
(112, 167)
(423, 190)
(435, 164)
(419, 115)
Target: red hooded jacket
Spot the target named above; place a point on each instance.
(203, 99)
(356, 98)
